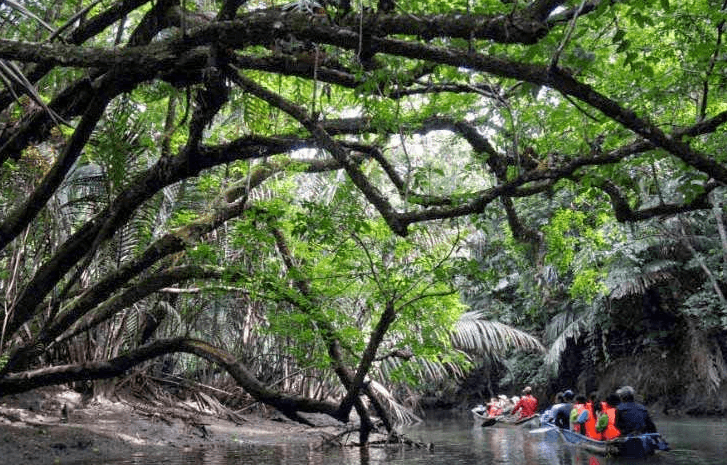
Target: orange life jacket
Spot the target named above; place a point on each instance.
(579, 408)
(611, 432)
(494, 411)
(590, 425)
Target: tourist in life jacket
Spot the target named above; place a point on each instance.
(493, 408)
(579, 414)
(631, 416)
(527, 404)
(593, 406)
(606, 424)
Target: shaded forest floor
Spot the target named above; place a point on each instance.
(32, 430)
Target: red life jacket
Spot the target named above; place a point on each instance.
(527, 405)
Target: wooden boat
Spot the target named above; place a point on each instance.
(482, 419)
(634, 446)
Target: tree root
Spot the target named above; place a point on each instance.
(342, 439)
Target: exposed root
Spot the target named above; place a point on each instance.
(395, 438)
(346, 439)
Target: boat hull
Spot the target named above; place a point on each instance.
(506, 421)
(631, 446)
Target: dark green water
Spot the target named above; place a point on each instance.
(457, 442)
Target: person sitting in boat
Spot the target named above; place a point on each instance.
(579, 414)
(493, 408)
(593, 407)
(527, 405)
(606, 424)
(631, 416)
(505, 404)
(548, 414)
(561, 412)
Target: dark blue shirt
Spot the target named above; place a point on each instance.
(632, 417)
(561, 415)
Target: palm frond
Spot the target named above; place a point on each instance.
(476, 335)
(568, 326)
(707, 360)
(560, 323)
(12, 76)
(622, 282)
(400, 414)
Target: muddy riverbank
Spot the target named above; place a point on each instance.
(35, 430)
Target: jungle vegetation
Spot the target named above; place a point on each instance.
(342, 205)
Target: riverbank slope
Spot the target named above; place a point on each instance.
(35, 430)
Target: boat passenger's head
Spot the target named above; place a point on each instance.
(626, 393)
(613, 399)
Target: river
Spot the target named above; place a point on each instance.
(457, 442)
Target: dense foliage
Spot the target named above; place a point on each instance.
(313, 195)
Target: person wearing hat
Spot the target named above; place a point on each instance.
(561, 412)
(631, 416)
(527, 404)
(547, 415)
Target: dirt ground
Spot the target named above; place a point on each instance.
(33, 430)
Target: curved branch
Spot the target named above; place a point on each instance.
(138, 291)
(21, 216)
(371, 192)
(167, 171)
(288, 405)
(85, 30)
(624, 213)
(22, 355)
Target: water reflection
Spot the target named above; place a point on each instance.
(457, 442)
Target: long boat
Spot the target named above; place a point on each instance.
(482, 419)
(633, 446)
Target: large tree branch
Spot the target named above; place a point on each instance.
(78, 96)
(134, 293)
(267, 25)
(400, 221)
(339, 153)
(22, 355)
(172, 242)
(287, 404)
(85, 30)
(263, 26)
(19, 218)
(166, 171)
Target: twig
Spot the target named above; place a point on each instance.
(566, 38)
